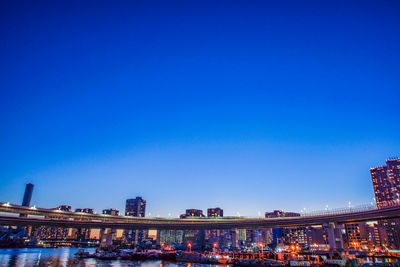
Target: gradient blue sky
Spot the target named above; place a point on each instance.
(247, 105)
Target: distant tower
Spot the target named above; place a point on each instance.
(26, 202)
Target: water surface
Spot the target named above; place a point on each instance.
(64, 256)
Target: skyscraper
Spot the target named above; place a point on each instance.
(135, 207)
(386, 183)
(393, 174)
(26, 201)
(27, 195)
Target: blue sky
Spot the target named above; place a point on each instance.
(250, 106)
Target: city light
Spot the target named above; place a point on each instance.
(191, 133)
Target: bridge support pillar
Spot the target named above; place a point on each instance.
(235, 238)
(334, 232)
(106, 237)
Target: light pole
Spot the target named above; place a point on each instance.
(215, 247)
(261, 246)
(190, 247)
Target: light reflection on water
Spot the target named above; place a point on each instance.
(22, 257)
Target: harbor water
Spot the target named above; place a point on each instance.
(64, 256)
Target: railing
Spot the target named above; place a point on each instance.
(338, 211)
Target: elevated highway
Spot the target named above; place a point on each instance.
(52, 217)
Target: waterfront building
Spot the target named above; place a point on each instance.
(195, 237)
(305, 237)
(213, 237)
(386, 184)
(52, 233)
(215, 212)
(302, 236)
(355, 235)
(169, 237)
(113, 212)
(82, 234)
(376, 236)
(135, 207)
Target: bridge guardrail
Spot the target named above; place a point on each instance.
(338, 211)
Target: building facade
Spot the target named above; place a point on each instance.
(112, 212)
(135, 207)
(215, 212)
(192, 213)
(386, 184)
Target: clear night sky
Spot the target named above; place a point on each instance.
(247, 105)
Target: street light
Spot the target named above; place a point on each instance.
(215, 247)
(190, 247)
(261, 245)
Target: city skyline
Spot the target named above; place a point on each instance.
(136, 206)
(248, 107)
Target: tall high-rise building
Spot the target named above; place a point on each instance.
(27, 195)
(386, 183)
(26, 201)
(215, 212)
(135, 207)
(393, 174)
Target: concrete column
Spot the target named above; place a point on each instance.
(106, 237)
(235, 238)
(335, 238)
